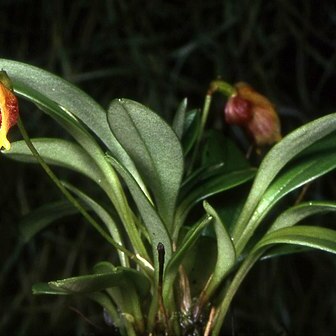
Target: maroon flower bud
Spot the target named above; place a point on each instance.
(255, 113)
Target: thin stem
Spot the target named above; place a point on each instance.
(73, 200)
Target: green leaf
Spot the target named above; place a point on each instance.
(296, 175)
(297, 213)
(289, 147)
(284, 250)
(199, 263)
(155, 227)
(104, 216)
(213, 186)
(179, 118)
(154, 148)
(67, 104)
(27, 80)
(226, 254)
(104, 300)
(58, 152)
(45, 288)
(70, 107)
(40, 218)
(188, 241)
(84, 284)
(219, 149)
(191, 126)
(309, 236)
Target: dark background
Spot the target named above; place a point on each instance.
(158, 52)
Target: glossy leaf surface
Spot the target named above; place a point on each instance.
(95, 282)
(310, 236)
(67, 105)
(58, 152)
(226, 254)
(42, 217)
(154, 148)
(297, 213)
(155, 227)
(277, 158)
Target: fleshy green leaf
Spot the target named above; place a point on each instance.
(155, 227)
(40, 218)
(219, 149)
(42, 87)
(120, 277)
(213, 186)
(188, 241)
(67, 105)
(58, 152)
(104, 216)
(191, 126)
(294, 176)
(284, 250)
(179, 118)
(297, 213)
(226, 254)
(310, 236)
(154, 148)
(283, 152)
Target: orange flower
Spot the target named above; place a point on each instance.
(9, 109)
(255, 113)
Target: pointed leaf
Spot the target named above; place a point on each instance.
(104, 216)
(84, 284)
(226, 254)
(62, 101)
(213, 186)
(309, 236)
(179, 118)
(191, 126)
(188, 241)
(219, 149)
(40, 218)
(297, 213)
(155, 227)
(58, 152)
(289, 147)
(295, 176)
(154, 148)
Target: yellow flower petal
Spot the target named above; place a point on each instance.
(8, 114)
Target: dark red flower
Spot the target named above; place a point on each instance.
(255, 113)
(9, 110)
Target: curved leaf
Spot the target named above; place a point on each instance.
(38, 86)
(297, 213)
(292, 145)
(220, 149)
(155, 227)
(58, 152)
(289, 147)
(84, 284)
(295, 176)
(188, 241)
(154, 148)
(310, 236)
(213, 186)
(104, 216)
(179, 118)
(226, 254)
(40, 218)
(191, 126)
(68, 105)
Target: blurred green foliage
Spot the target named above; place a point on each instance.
(158, 52)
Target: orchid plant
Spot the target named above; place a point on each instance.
(179, 259)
